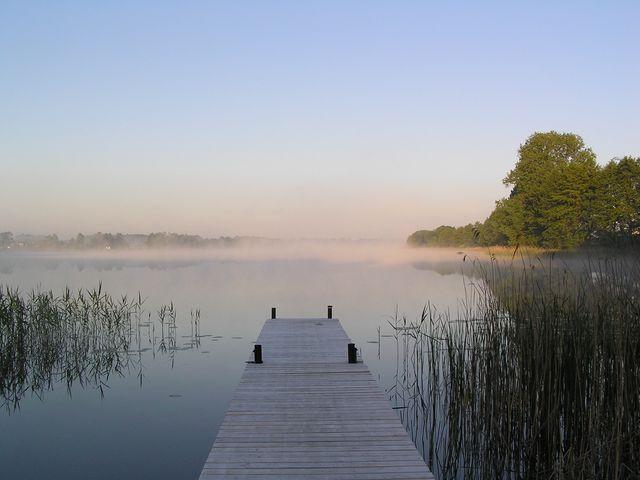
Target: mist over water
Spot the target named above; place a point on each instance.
(159, 416)
(374, 251)
(165, 428)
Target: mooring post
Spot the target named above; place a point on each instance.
(273, 312)
(352, 353)
(257, 353)
(330, 311)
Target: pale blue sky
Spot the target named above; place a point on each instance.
(297, 118)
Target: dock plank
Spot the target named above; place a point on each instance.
(307, 413)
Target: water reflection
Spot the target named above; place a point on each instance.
(82, 337)
(174, 418)
(538, 376)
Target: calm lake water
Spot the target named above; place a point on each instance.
(164, 426)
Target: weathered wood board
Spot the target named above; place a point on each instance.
(307, 413)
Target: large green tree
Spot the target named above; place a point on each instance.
(554, 183)
(618, 215)
(505, 225)
(560, 198)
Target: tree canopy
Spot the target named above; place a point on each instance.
(560, 198)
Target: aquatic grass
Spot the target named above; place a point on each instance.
(536, 376)
(82, 337)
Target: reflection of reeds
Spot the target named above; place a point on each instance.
(79, 337)
(539, 377)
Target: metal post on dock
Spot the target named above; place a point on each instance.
(257, 353)
(273, 312)
(352, 353)
(330, 311)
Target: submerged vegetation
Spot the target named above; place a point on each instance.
(537, 377)
(560, 198)
(82, 337)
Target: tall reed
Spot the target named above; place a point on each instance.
(537, 376)
(80, 337)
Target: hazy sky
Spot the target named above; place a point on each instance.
(296, 118)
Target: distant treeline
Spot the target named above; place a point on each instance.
(560, 198)
(108, 241)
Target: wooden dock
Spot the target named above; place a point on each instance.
(307, 413)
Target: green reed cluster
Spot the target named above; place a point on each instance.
(536, 377)
(81, 337)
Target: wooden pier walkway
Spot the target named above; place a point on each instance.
(307, 413)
